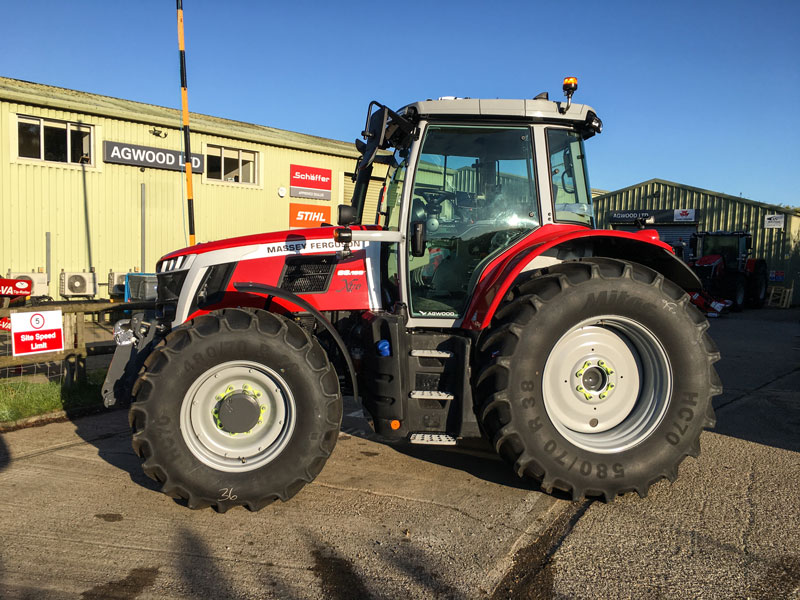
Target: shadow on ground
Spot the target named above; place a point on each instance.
(112, 438)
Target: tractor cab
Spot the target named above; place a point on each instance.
(732, 247)
(467, 180)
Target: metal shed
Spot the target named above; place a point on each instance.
(677, 210)
(93, 184)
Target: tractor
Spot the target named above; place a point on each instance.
(722, 261)
(477, 301)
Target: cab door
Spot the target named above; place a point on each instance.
(474, 190)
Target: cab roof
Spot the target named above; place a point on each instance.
(533, 109)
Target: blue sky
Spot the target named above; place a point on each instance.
(702, 93)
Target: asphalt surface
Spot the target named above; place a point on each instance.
(80, 520)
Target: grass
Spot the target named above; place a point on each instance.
(22, 399)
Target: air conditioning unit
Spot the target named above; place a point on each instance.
(116, 283)
(140, 287)
(78, 284)
(38, 282)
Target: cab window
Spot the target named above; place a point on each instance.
(568, 177)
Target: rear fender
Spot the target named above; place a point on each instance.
(643, 248)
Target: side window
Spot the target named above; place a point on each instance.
(54, 141)
(569, 180)
(230, 164)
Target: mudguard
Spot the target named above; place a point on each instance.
(553, 244)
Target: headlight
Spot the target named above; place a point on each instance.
(175, 264)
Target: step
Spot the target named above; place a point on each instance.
(432, 353)
(434, 439)
(426, 395)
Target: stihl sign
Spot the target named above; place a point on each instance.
(15, 287)
(310, 182)
(36, 332)
(308, 215)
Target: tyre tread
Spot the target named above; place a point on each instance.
(526, 299)
(265, 324)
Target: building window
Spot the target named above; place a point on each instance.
(54, 141)
(230, 164)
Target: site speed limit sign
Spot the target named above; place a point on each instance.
(36, 332)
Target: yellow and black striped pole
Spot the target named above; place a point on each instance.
(187, 152)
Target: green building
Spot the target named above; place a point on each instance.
(676, 211)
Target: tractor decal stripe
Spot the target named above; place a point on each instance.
(299, 247)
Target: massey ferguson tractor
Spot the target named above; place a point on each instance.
(723, 263)
(478, 301)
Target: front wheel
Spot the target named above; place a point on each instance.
(597, 378)
(236, 408)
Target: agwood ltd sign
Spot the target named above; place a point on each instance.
(147, 156)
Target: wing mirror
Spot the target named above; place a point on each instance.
(347, 216)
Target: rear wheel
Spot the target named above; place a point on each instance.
(236, 408)
(757, 286)
(597, 378)
(739, 292)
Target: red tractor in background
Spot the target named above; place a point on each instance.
(478, 301)
(722, 262)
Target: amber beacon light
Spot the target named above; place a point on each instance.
(569, 87)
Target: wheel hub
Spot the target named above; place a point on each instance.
(596, 379)
(238, 413)
(238, 410)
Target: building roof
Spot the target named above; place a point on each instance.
(774, 207)
(26, 92)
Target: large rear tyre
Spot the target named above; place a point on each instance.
(597, 378)
(757, 285)
(236, 408)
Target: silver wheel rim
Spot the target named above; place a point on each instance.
(607, 384)
(265, 394)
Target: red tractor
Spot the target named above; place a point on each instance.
(478, 301)
(721, 260)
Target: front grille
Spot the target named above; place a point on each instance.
(142, 287)
(307, 274)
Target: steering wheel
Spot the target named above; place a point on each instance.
(434, 199)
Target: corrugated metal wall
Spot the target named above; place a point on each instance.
(93, 213)
(717, 212)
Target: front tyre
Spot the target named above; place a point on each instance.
(236, 408)
(597, 378)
